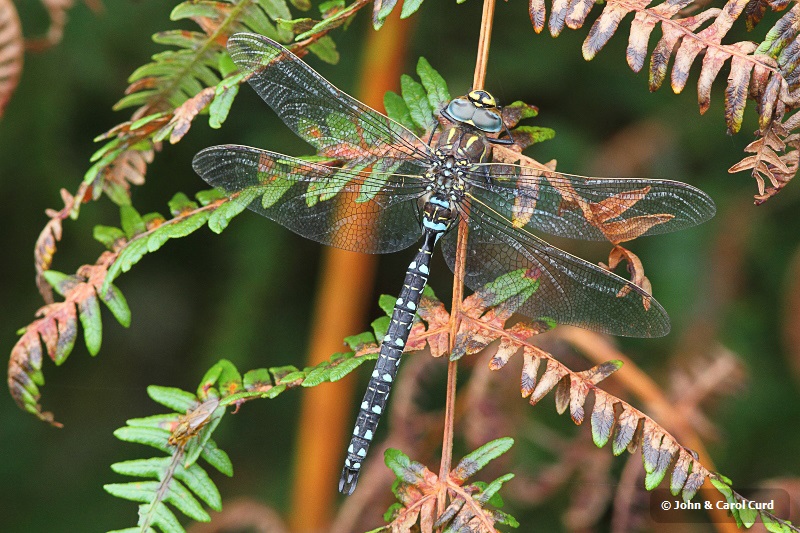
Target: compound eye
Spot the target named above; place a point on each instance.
(487, 121)
(461, 109)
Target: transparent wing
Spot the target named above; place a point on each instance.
(362, 208)
(579, 207)
(571, 290)
(336, 124)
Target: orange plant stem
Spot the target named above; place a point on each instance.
(345, 288)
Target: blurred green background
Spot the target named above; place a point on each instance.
(246, 295)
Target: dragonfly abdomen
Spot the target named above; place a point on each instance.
(383, 376)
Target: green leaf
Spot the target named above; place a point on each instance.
(137, 491)
(380, 326)
(325, 49)
(197, 479)
(436, 87)
(331, 22)
(164, 421)
(223, 376)
(521, 287)
(182, 499)
(397, 110)
(132, 223)
(386, 302)
(381, 10)
(153, 467)
(161, 517)
(60, 282)
(180, 203)
(258, 378)
(490, 492)
(722, 487)
(404, 468)
(348, 365)
(222, 216)
(409, 8)
(320, 374)
(524, 110)
(356, 342)
(534, 134)
(117, 304)
(478, 459)
(748, 516)
(152, 241)
(217, 458)
(224, 95)
(176, 399)
(157, 438)
(108, 236)
(89, 313)
(417, 101)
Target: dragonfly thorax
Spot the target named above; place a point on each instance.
(446, 174)
(438, 213)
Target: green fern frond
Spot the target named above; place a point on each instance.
(184, 435)
(180, 481)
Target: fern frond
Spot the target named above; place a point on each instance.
(12, 49)
(179, 84)
(57, 329)
(179, 479)
(45, 247)
(57, 11)
(766, 72)
(483, 317)
(137, 236)
(473, 507)
(185, 436)
(682, 37)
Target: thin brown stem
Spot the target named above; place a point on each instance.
(481, 63)
(452, 366)
(458, 273)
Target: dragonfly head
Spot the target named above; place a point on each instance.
(480, 110)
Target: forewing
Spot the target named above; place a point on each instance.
(368, 209)
(336, 124)
(579, 207)
(571, 290)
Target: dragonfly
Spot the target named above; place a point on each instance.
(376, 187)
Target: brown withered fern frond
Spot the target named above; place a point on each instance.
(482, 322)
(12, 49)
(57, 330)
(57, 11)
(764, 72)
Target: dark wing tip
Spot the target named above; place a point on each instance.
(251, 51)
(348, 481)
(202, 160)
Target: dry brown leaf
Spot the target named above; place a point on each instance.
(635, 268)
(183, 116)
(45, 247)
(12, 49)
(57, 10)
